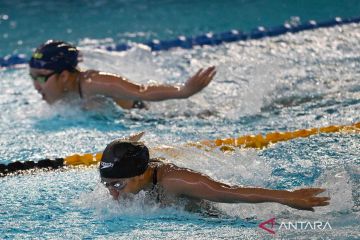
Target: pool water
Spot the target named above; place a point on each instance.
(24, 24)
(294, 81)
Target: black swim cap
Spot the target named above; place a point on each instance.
(124, 159)
(55, 55)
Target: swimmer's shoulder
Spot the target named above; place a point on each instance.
(90, 73)
(161, 163)
(101, 76)
(169, 170)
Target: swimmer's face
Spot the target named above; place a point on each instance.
(48, 84)
(121, 186)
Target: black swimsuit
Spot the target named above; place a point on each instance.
(155, 180)
(155, 176)
(139, 104)
(79, 86)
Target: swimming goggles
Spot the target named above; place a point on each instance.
(42, 79)
(118, 185)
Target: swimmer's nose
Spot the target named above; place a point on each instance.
(114, 193)
(37, 87)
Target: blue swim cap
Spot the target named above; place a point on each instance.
(55, 55)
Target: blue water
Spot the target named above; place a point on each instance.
(24, 24)
(310, 79)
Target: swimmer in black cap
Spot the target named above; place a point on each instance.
(53, 68)
(125, 168)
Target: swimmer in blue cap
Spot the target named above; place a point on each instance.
(53, 68)
(126, 168)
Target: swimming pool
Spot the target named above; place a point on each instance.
(309, 79)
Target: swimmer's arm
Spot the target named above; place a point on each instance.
(118, 87)
(196, 185)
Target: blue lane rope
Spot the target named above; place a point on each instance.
(210, 38)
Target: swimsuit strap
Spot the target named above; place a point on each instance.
(155, 176)
(79, 86)
(155, 182)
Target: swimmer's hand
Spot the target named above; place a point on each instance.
(135, 137)
(305, 199)
(197, 82)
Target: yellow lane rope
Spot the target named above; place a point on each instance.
(260, 141)
(248, 141)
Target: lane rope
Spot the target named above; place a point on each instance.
(225, 144)
(260, 141)
(210, 39)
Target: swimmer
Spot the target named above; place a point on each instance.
(126, 169)
(53, 68)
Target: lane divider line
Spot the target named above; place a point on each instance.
(210, 39)
(224, 144)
